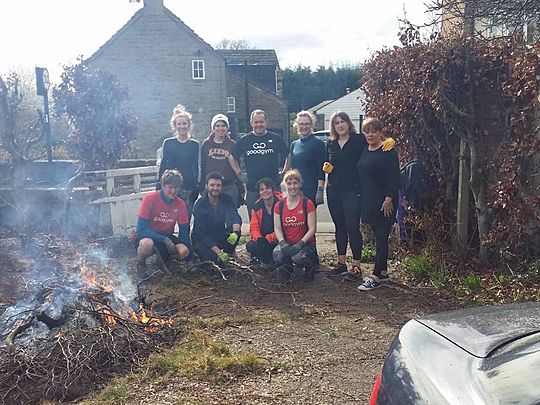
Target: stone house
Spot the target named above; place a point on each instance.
(163, 62)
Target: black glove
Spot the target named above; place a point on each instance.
(284, 246)
(296, 248)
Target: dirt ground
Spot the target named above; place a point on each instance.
(321, 343)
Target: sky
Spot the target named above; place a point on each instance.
(54, 33)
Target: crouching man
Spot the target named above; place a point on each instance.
(216, 223)
(158, 214)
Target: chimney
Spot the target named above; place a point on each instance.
(347, 90)
(153, 6)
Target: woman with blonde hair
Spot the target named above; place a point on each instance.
(181, 152)
(295, 225)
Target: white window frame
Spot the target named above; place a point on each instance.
(231, 105)
(197, 69)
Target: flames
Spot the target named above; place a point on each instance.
(113, 310)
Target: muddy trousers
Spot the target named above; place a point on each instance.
(307, 258)
(344, 207)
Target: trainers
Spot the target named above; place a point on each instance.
(354, 275)
(369, 284)
(339, 270)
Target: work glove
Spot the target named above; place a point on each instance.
(232, 238)
(284, 247)
(223, 256)
(171, 247)
(242, 177)
(296, 248)
(388, 144)
(319, 197)
(327, 167)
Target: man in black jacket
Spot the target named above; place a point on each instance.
(216, 223)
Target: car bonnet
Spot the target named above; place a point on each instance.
(481, 330)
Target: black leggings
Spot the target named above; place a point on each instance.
(344, 207)
(381, 233)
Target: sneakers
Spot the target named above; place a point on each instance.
(369, 284)
(339, 270)
(354, 275)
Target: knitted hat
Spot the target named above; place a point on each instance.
(219, 117)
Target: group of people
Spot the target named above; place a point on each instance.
(361, 173)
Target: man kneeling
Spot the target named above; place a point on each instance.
(158, 214)
(216, 223)
(295, 224)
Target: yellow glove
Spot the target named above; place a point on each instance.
(388, 144)
(223, 256)
(232, 238)
(327, 167)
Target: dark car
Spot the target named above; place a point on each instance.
(486, 355)
(322, 135)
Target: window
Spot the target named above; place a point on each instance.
(198, 69)
(231, 104)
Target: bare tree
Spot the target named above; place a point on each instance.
(234, 44)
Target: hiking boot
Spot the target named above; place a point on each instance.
(369, 284)
(339, 270)
(309, 275)
(285, 273)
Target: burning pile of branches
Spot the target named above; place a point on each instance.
(74, 333)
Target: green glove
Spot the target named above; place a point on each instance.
(233, 238)
(223, 256)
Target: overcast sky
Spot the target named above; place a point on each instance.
(54, 32)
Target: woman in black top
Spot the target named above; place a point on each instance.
(343, 150)
(181, 152)
(378, 175)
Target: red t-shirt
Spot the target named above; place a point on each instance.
(294, 221)
(162, 216)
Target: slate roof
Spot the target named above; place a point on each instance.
(252, 56)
